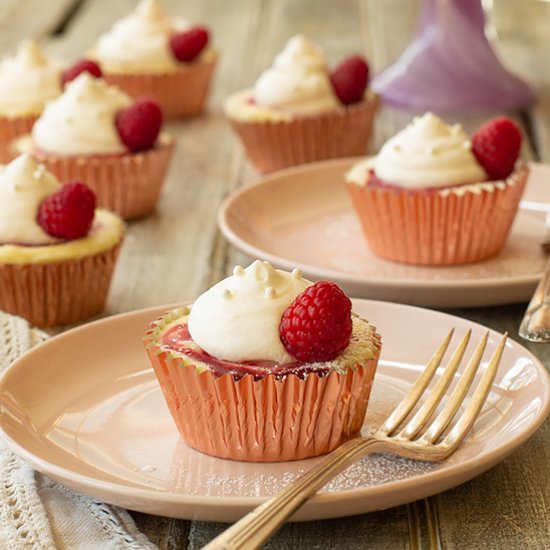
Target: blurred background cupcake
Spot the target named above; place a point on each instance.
(96, 133)
(28, 80)
(298, 111)
(433, 196)
(149, 53)
(57, 250)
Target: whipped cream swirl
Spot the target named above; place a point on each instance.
(24, 184)
(429, 153)
(82, 120)
(238, 318)
(27, 81)
(140, 41)
(298, 81)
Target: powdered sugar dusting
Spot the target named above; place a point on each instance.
(372, 470)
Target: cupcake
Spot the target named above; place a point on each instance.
(96, 133)
(265, 366)
(433, 196)
(298, 112)
(27, 81)
(57, 251)
(149, 53)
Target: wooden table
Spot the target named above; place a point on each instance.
(178, 252)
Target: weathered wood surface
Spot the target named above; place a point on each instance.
(176, 253)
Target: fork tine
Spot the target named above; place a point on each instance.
(424, 413)
(469, 416)
(411, 399)
(439, 425)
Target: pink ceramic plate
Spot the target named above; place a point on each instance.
(85, 409)
(303, 217)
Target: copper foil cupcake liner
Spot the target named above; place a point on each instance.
(266, 420)
(128, 184)
(182, 93)
(439, 228)
(10, 130)
(58, 293)
(274, 145)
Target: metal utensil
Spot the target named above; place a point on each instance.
(535, 325)
(425, 436)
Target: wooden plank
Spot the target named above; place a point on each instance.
(20, 20)
(387, 529)
(507, 507)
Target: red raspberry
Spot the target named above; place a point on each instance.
(139, 125)
(350, 80)
(317, 325)
(496, 146)
(68, 213)
(187, 45)
(83, 65)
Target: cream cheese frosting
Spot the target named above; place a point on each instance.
(428, 153)
(24, 184)
(140, 41)
(82, 120)
(298, 81)
(27, 81)
(238, 318)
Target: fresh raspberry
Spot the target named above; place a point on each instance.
(187, 45)
(350, 79)
(139, 125)
(68, 213)
(496, 146)
(83, 65)
(317, 325)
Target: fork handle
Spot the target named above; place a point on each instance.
(536, 323)
(257, 526)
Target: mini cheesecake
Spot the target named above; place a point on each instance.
(233, 401)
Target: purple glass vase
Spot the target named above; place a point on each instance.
(450, 65)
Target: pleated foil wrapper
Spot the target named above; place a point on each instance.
(265, 420)
(274, 145)
(439, 228)
(181, 93)
(58, 293)
(128, 184)
(10, 130)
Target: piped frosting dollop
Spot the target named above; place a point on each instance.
(139, 42)
(238, 318)
(82, 120)
(428, 153)
(27, 81)
(298, 81)
(24, 184)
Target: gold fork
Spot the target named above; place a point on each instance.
(423, 437)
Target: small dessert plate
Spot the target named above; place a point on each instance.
(85, 409)
(302, 217)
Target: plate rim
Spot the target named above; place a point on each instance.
(346, 276)
(164, 497)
